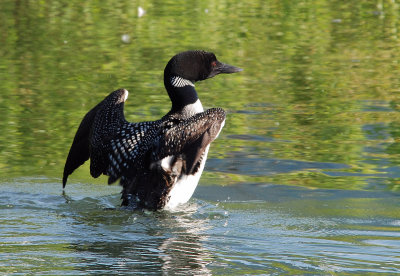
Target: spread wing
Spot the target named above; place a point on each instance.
(79, 151)
(191, 137)
(96, 128)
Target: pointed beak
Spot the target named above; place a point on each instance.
(228, 69)
(223, 68)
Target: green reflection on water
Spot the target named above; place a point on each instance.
(320, 82)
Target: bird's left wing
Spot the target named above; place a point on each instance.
(190, 137)
(96, 128)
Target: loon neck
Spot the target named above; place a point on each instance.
(182, 94)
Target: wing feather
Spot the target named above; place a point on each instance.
(79, 151)
(129, 146)
(191, 137)
(94, 132)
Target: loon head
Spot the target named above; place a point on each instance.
(196, 66)
(186, 68)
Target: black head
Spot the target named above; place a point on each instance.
(196, 66)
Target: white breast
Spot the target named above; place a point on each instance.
(185, 185)
(194, 108)
(184, 188)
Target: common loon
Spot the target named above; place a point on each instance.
(159, 163)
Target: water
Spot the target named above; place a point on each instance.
(304, 179)
(252, 229)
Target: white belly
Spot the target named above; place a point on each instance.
(184, 188)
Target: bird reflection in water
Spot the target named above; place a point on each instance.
(140, 242)
(184, 250)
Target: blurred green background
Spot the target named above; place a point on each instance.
(317, 104)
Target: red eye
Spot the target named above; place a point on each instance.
(214, 63)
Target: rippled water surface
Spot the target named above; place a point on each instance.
(304, 179)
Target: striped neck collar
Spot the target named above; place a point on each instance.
(180, 82)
